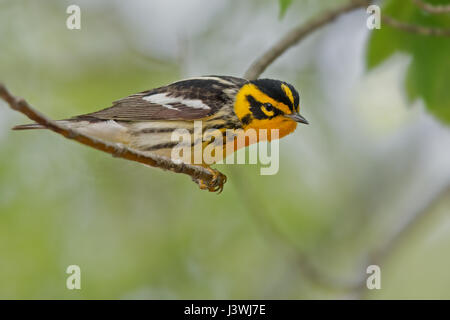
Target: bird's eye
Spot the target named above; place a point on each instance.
(268, 109)
(268, 106)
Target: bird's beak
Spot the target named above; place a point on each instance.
(297, 117)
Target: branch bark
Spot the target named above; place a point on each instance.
(209, 179)
(297, 34)
(430, 8)
(412, 28)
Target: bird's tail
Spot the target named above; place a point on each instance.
(29, 126)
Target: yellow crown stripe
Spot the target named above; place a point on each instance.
(288, 93)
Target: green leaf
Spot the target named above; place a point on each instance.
(428, 76)
(284, 5)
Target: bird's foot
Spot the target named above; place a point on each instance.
(215, 184)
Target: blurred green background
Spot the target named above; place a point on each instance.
(372, 159)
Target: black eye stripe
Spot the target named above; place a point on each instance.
(255, 109)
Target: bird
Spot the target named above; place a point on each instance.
(147, 120)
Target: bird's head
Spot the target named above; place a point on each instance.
(269, 104)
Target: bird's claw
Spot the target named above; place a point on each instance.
(215, 184)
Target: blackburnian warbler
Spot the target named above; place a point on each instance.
(146, 121)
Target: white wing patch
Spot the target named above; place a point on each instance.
(166, 101)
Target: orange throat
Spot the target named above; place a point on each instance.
(283, 126)
(261, 130)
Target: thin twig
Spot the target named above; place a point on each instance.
(413, 28)
(432, 8)
(398, 237)
(213, 179)
(298, 33)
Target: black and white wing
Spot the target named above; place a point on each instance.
(189, 99)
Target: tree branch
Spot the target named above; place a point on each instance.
(430, 8)
(210, 179)
(412, 222)
(412, 28)
(298, 33)
(381, 254)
